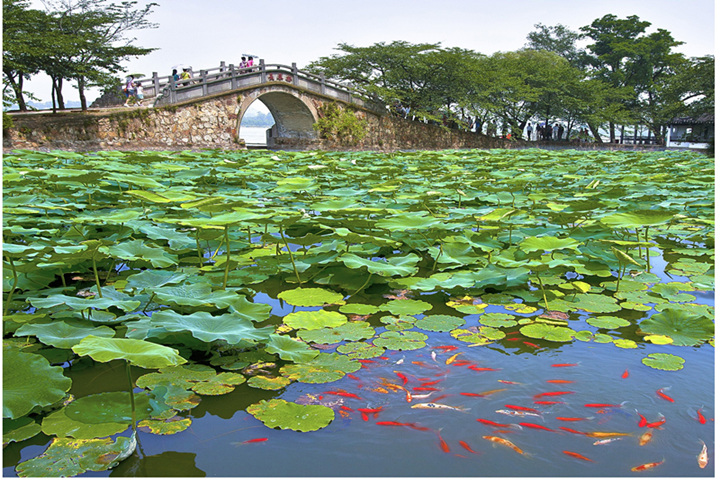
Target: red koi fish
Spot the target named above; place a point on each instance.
(532, 345)
(427, 384)
(363, 360)
(446, 348)
(572, 419)
(350, 375)
(560, 381)
(437, 399)
(526, 409)
(551, 394)
(467, 447)
(625, 374)
(701, 417)
(347, 409)
(443, 444)
(364, 416)
(646, 466)
(656, 424)
(470, 394)
(426, 389)
(663, 396)
(421, 364)
(490, 422)
(415, 426)
(577, 455)
(515, 339)
(483, 369)
(401, 376)
(255, 440)
(383, 358)
(462, 363)
(365, 411)
(572, 430)
(393, 424)
(564, 365)
(546, 402)
(643, 421)
(342, 394)
(536, 426)
(601, 405)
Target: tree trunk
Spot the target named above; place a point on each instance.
(52, 94)
(612, 132)
(595, 132)
(17, 88)
(81, 92)
(57, 86)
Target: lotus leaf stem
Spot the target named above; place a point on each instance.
(647, 248)
(292, 260)
(542, 288)
(14, 285)
(132, 397)
(227, 257)
(440, 251)
(363, 286)
(197, 243)
(97, 277)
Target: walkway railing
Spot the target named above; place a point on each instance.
(226, 78)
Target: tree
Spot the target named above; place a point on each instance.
(558, 39)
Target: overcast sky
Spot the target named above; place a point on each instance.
(202, 33)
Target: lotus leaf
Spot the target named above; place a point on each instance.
(548, 332)
(137, 250)
(408, 221)
(75, 303)
(637, 219)
(290, 349)
(405, 307)
(345, 332)
(220, 384)
(664, 361)
(314, 319)
(173, 396)
(498, 320)
(138, 352)
(401, 340)
(310, 297)
(583, 335)
(165, 427)
(324, 368)
(658, 339)
(67, 457)
(268, 383)
(30, 381)
(468, 305)
(595, 303)
(359, 309)
(153, 279)
(19, 429)
(470, 336)
(683, 326)
(392, 266)
(547, 244)
(635, 306)
(200, 378)
(63, 334)
(439, 323)
(607, 322)
(624, 343)
(671, 293)
(520, 308)
(360, 350)
(208, 328)
(602, 338)
(291, 416)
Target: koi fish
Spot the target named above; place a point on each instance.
(625, 374)
(515, 339)
(518, 414)
(467, 447)
(524, 409)
(601, 405)
(483, 394)
(379, 390)
(560, 381)
(646, 466)
(347, 409)
(366, 361)
(427, 384)
(350, 375)
(532, 345)
(645, 438)
(504, 442)
(546, 402)
(701, 417)
(252, 440)
(656, 424)
(446, 348)
(490, 422)
(433, 355)
(374, 411)
(551, 394)
(438, 406)
(452, 359)
(509, 382)
(393, 424)
(461, 363)
(573, 419)
(443, 444)
(470, 394)
(408, 395)
(577, 455)
(401, 376)
(571, 430)
(383, 358)
(536, 426)
(663, 396)
(342, 394)
(364, 416)
(422, 364)
(606, 441)
(564, 365)
(483, 369)
(703, 456)
(643, 421)
(426, 389)
(607, 434)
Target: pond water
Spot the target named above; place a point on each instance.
(495, 388)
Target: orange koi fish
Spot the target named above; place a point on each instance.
(443, 444)
(383, 358)
(551, 394)
(515, 339)
(364, 416)
(427, 384)
(470, 394)
(374, 411)
(577, 455)
(560, 381)
(490, 422)
(363, 360)
(401, 376)
(379, 390)
(525, 409)
(573, 419)
(546, 402)
(643, 421)
(347, 409)
(646, 466)
(426, 389)
(483, 369)
(393, 424)
(467, 447)
(421, 364)
(656, 424)
(625, 374)
(701, 417)
(601, 405)
(350, 375)
(254, 440)
(452, 359)
(532, 345)
(607, 434)
(446, 348)
(504, 442)
(461, 363)
(663, 396)
(342, 394)
(703, 456)
(509, 382)
(571, 430)
(483, 394)
(645, 438)
(536, 426)
(564, 365)
(408, 395)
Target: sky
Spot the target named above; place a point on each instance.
(202, 33)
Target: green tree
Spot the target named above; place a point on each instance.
(558, 39)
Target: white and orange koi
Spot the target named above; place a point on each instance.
(504, 442)
(703, 456)
(439, 406)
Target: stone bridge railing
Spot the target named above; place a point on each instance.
(224, 78)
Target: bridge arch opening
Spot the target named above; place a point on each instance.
(254, 125)
(294, 117)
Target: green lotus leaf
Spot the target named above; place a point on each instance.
(602, 338)
(68, 457)
(199, 378)
(439, 323)
(498, 320)
(635, 306)
(395, 324)
(165, 427)
(310, 297)
(642, 218)
(359, 309)
(137, 250)
(403, 266)
(19, 429)
(220, 384)
(547, 244)
(470, 336)
(407, 221)
(268, 383)
(401, 340)
(467, 305)
(520, 308)
(63, 334)
(607, 322)
(592, 302)
(348, 331)
(285, 415)
(76, 303)
(175, 397)
(132, 179)
(154, 279)
(664, 361)
(200, 294)
(671, 293)
(289, 349)
(360, 350)
(206, 327)
(314, 319)
(30, 381)
(548, 332)
(583, 335)
(295, 184)
(138, 352)
(324, 368)
(624, 343)
(658, 339)
(685, 327)
(405, 307)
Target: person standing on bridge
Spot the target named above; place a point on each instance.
(129, 89)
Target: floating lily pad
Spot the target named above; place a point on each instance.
(165, 427)
(268, 383)
(359, 309)
(30, 381)
(229, 327)
(63, 334)
(672, 293)
(406, 307)
(199, 378)
(520, 308)
(402, 266)
(547, 244)
(658, 339)
(607, 322)
(683, 326)
(314, 320)
(624, 343)
(68, 457)
(291, 416)
(290, 349)
(360, 350)
(326, 367)
(395, 324)
(595, 303)
(548, 332)
(310, 297)
(468, 305)
(137, 352)
(583, 335)
(471, 336)
(498, 320)
(602, 338)
(401, 340)
(348, 331)
(439, 323)
(19, 429)
(664, 361)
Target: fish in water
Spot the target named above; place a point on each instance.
(646, 466)
(550, 394)
(504, 442)
(701, 417)
(656, 424)
(645, 438)
(643, 421)
(490, 422)
(605, 441)
(518, 413)
(467, 447)
(662, 395)
(452, 359)
(524, 409)
(439, 406)
(703, 456)
(252, 440)
(536, 426)
(577, 455)
(607, 434)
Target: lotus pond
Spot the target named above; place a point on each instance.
(455, 313)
